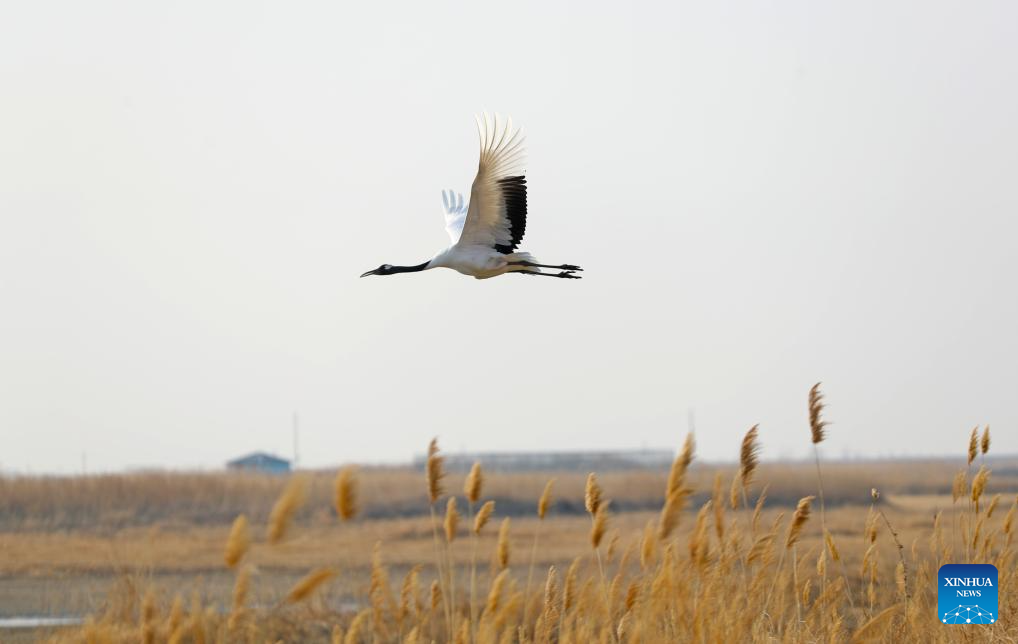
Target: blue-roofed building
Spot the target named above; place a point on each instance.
(260, 462)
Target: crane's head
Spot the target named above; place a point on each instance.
(389, 269)
(384, 269)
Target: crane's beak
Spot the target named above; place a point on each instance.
(370, 273)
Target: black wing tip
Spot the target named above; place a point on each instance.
(514, 195)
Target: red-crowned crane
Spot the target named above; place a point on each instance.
(485, 234)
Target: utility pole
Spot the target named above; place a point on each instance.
(296, 429)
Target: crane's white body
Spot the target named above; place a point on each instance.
(481, 262)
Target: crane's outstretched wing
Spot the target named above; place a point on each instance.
(497, 215)
(455, 214)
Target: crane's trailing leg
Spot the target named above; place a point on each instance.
(564, 267)
(569, 275)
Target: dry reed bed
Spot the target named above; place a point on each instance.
(708, 575)
(108, 503)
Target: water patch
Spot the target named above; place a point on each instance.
(38, 621)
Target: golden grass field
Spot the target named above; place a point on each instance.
(704, 553)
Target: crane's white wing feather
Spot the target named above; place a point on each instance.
(455, 214)
(497, 215)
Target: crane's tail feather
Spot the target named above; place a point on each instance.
(518, 261)
(527, 262)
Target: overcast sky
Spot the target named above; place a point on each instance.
(764, 195)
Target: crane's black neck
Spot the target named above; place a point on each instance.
(409, 269)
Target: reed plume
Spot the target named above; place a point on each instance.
(816, 407)
(993, 506)
(979, 484)
(452, 520)
(748, 460)
(308, 584)
(718, 505)
(686, 455)
(545, 501)
(672, 511)
(353, 636)
(600, 524)
(238, 542)
(569, 589)
(1009, 524)
(676, 492)
(502, 548)
(985, 441)
(613, 544)
(749, 456)
(735, 492)
(435, 472)
(240, 590)
(291, 500)
(959, 485)
(551, 590)
(346, 493)
(974, 444)
(483, 515)
(495, 593)
(632, 595)
(472, 484)
(648, 545)
(624, 628)
(831, 547)
(549, 616)
(870, 527)
(409, 597)
(592, 494)
(698, 541)
(681, 464)
(799, 518)
(435, 595)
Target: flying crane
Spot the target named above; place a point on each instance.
(486, 232)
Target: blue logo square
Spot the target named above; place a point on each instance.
(967, 594)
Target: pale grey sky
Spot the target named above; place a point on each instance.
(763, 194)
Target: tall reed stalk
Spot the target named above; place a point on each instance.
(542, 510)
(434, 473)
(480, 520)
(472, 486)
